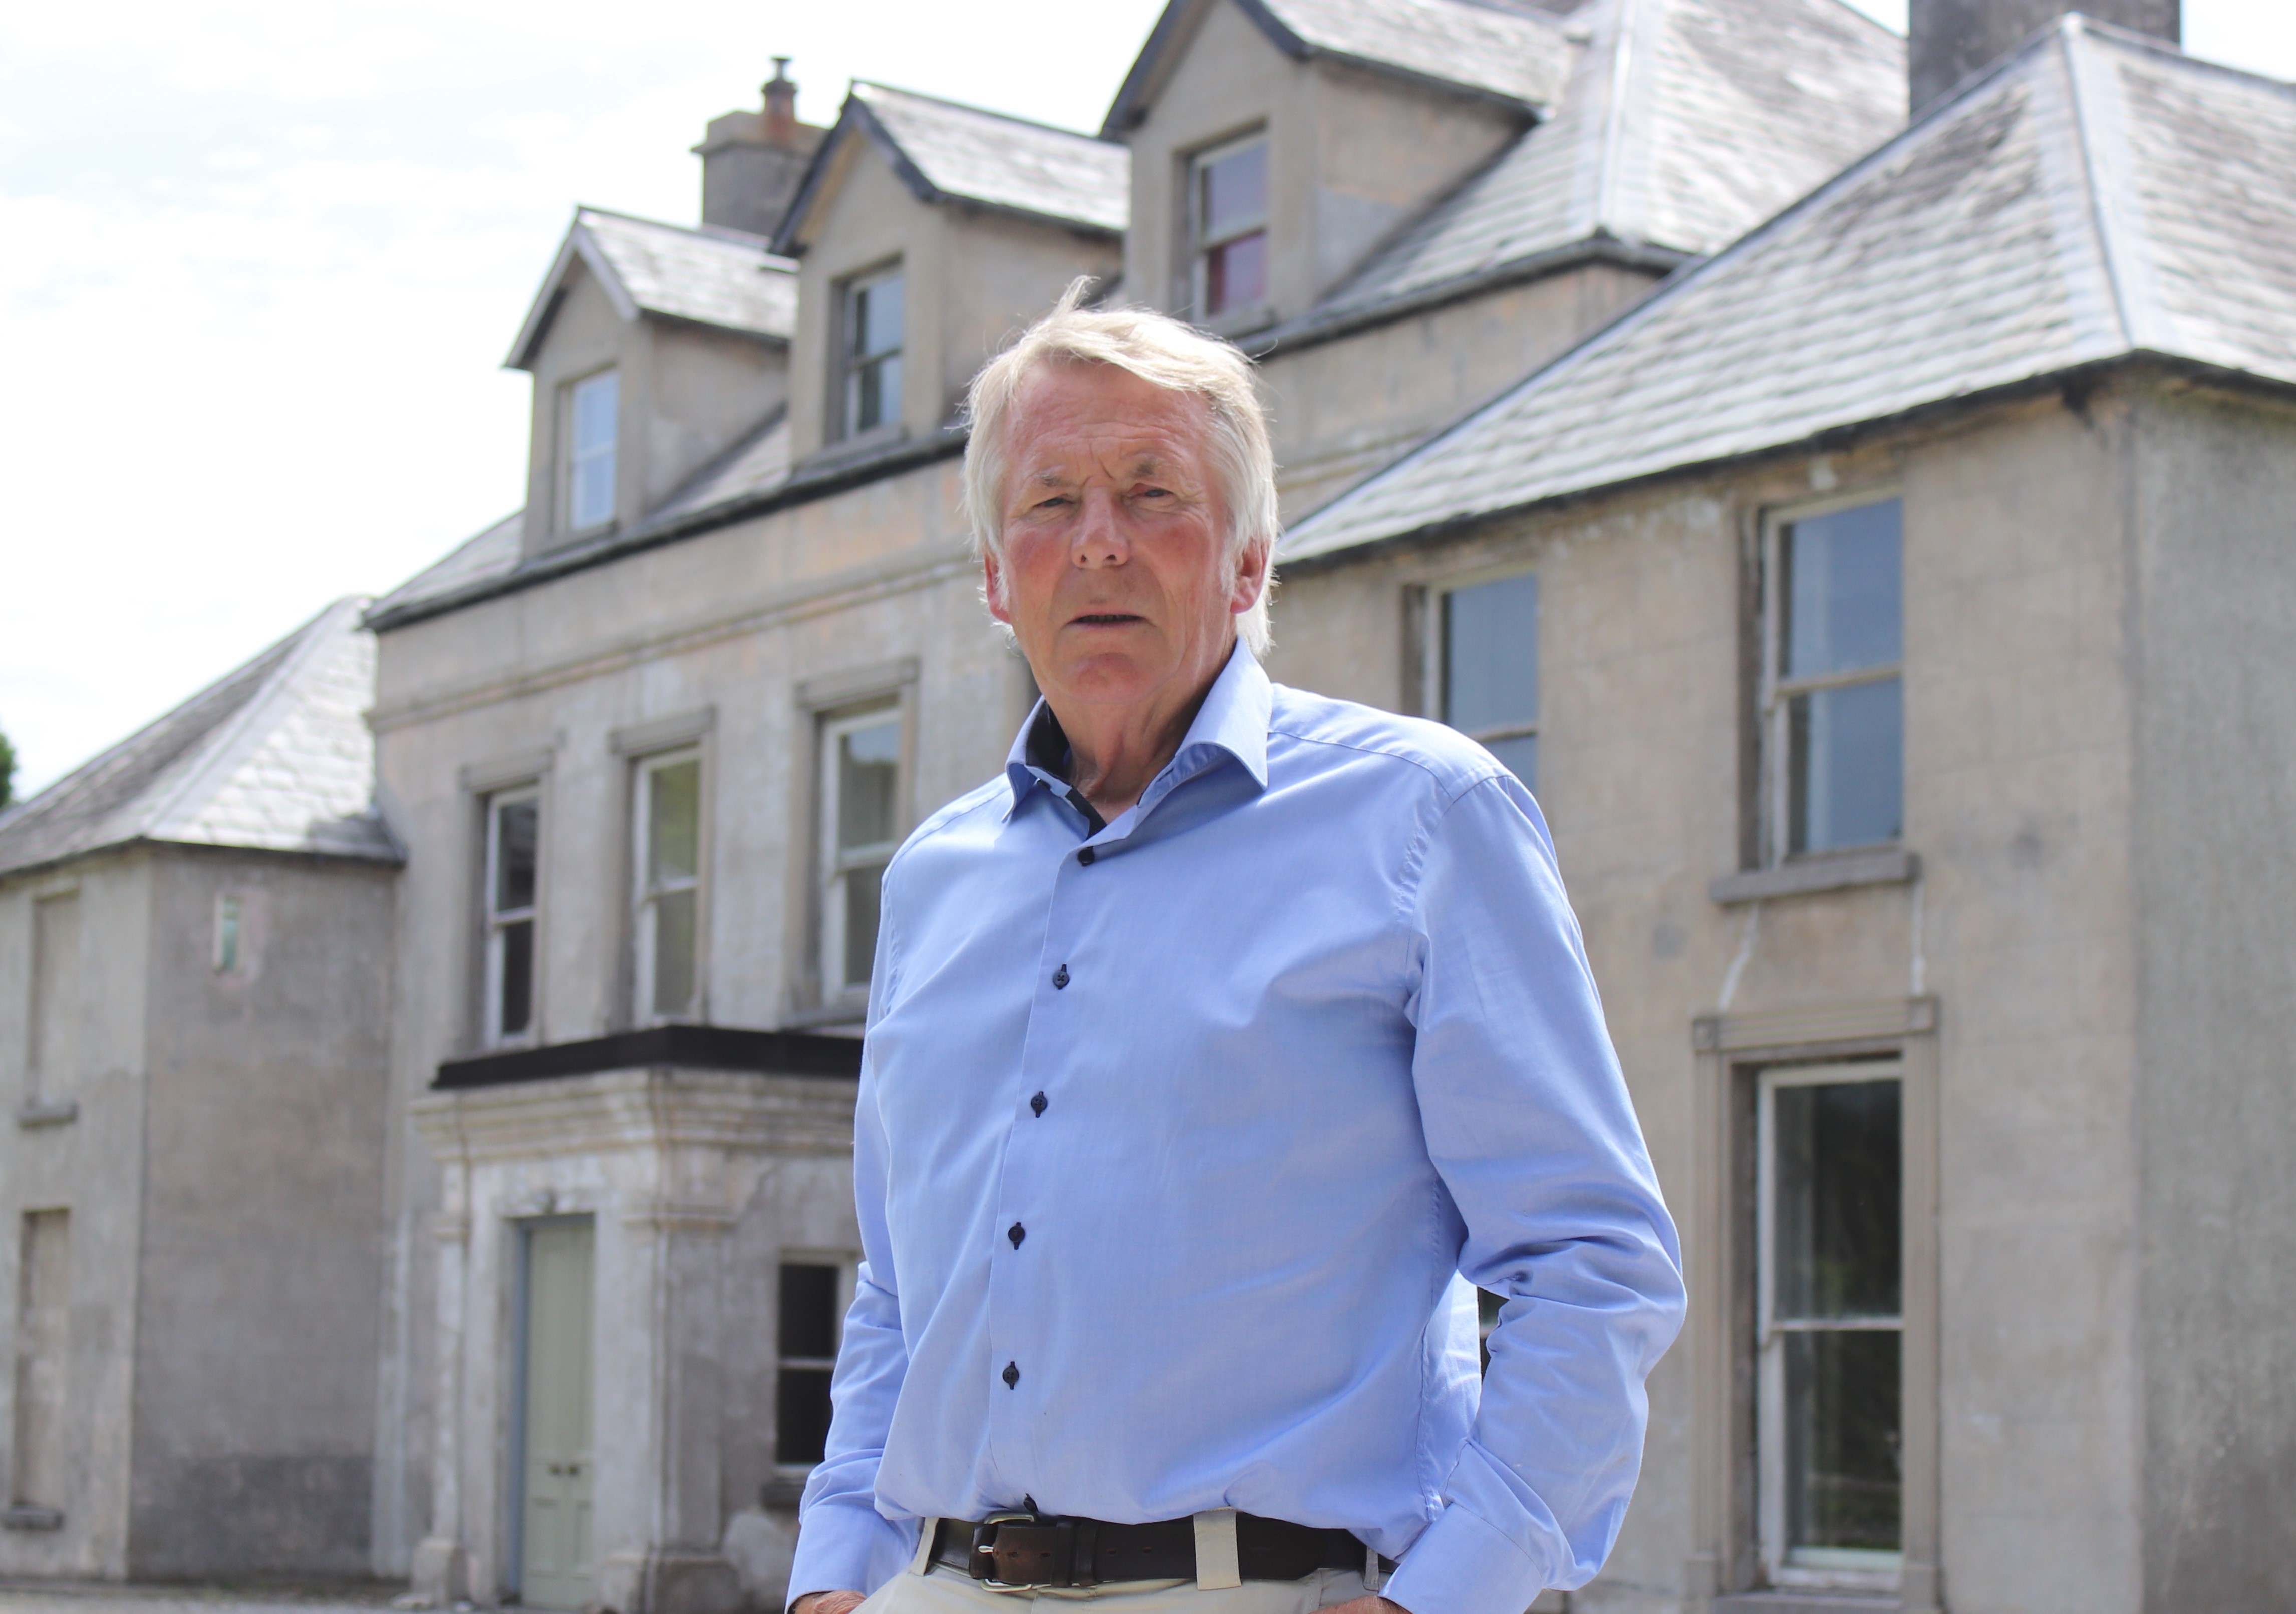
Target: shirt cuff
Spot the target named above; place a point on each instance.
(1461, 1565)
(844, 1548)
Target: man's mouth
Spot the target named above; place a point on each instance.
(1112, 619)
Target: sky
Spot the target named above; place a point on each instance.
(263, 259)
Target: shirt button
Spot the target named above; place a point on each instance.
(1061, 976)
(1038, 1104)
(1086, 856)
(1012, 1374)
(1016, 1233)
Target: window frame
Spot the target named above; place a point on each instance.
(1775, 693)
(848, 1270)
(833, 865)
(1855, 1570)
(1721, 1230)
(1434, 646)
(573, 457)
(851, 363)
(495, 922)
(1201, 241)
(645, 892)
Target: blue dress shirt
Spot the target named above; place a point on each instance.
(1182, 1145)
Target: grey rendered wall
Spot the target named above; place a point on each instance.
(2215, 785)
(256, 1325)
(91, 1167)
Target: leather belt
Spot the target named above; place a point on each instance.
(1013, 1550)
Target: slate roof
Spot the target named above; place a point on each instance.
(1484, 49)
(945, 150)
(709, 276)
(274, 756)
(2095, 196)
(472, 564)
(1685, 124)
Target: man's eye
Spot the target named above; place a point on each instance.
(1155, 493)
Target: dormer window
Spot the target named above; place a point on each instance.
(873, 318)
(1228, 191)
(590, 451)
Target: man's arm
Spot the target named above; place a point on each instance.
(845, 1547)
(1529, 1122)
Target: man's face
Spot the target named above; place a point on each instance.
(1115, 580)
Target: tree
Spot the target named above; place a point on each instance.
(7, 773)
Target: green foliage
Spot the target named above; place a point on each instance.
(7, 773)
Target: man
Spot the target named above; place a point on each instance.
(1216, 1052)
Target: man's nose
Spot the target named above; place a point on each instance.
(1100, 531)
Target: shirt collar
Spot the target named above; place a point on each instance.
(1233, 720)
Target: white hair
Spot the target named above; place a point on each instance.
(1165, 353)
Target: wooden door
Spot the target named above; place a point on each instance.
(555, 1558)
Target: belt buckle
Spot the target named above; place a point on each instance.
(980, 1563)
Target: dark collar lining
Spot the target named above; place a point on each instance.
(1047, 750)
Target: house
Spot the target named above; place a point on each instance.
(1896, 612)
(195, 979)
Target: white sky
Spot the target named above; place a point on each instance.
(263, 258)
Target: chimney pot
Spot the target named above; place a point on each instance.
(1947, 40)
(781, 106)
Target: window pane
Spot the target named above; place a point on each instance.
(228, 935)
(594, 489)
(809, 1311)
(1233, 193)
(1843, 588)
(877, 393)
(1235, 274)
(593, 413)
(1836, 1169)
(864, 891)
(868, 770)
(518, 836)
(1490, 654)
(672, 821)
(516, 1006)
(1846, 766)
(1844, 1487)
(673, 952)
(877, 317)
(801, 1410)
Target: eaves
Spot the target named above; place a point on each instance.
(821, 480)
(2073, 382)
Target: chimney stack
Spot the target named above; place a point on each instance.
(751, 162)
(1947, 40)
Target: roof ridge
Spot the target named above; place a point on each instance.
(219, 748)
(982, 111)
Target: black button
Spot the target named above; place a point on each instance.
(1060, 978)
(1038, 1104)
(1016, 1233)
(1086, 856)
(1012, 1374)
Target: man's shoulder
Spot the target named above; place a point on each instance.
(984, 800)
(1444, 758)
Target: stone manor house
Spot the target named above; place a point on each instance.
(1848, 478)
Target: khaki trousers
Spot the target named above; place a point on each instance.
(941, 1590)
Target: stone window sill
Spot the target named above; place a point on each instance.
(22, 1517)
(1831, 872)
(43, 1112)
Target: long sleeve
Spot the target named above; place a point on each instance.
(1529, 1123)
(844, 1543)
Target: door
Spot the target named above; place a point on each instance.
(554, 1541)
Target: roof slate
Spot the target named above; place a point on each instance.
(968, 155)
(1486, 48)
(709, 276)
(1685, 124)
(2096, 195)
(274, 756)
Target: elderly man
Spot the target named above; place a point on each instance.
(1217, 1052)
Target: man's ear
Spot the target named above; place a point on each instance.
(1251, 576)
(992, 589)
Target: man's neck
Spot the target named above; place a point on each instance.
(1114, 751)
